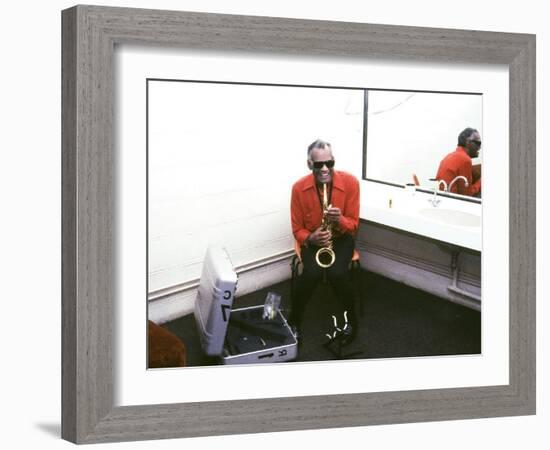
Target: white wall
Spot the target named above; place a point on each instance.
(222, 161)
(410, 132)
(30, 229)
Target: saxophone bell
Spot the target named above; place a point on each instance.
(325, 257)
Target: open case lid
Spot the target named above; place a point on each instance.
(214, 299)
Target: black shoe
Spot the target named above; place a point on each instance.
(348, 334)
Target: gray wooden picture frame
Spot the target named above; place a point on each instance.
(89, 37)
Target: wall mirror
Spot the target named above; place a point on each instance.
(408, 133)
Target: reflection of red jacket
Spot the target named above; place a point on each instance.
(455, 164)
(305, 207)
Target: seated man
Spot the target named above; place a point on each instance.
(459, 163)
(306, 217)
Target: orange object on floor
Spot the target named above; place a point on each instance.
(165, 348)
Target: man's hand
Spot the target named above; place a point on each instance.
(320, 237)
(334, 214)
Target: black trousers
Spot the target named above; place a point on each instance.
(337, 275)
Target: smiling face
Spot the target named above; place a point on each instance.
(317, 156)
(473, 144)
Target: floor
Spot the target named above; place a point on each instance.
(396, 321)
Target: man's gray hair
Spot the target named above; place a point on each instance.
(464, 135)
(318, 144)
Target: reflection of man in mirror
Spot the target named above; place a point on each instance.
(342, 217)
(459, 163)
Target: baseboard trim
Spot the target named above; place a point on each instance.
(424, 275)
(177, 301)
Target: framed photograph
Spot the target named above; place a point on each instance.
(148, 95)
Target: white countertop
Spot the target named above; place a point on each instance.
(453, 220)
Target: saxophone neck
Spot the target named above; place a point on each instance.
(325, 198)
(325, 222)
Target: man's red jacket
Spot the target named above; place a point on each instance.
(305, 207)
(455, 164)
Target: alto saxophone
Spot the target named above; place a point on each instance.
(325, 256)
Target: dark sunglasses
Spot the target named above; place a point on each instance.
(319, 164)
(475, 142)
